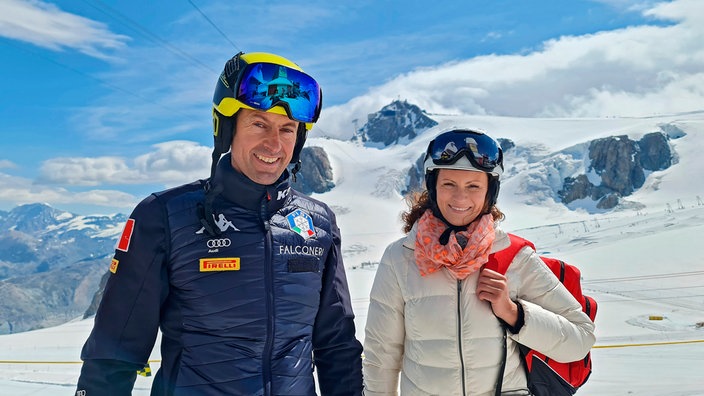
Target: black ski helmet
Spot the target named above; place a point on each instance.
(228, 98)
(464, 149)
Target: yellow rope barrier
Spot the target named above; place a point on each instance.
(642, 344)
(50, 362)
(647, 344)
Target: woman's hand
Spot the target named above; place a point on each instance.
(492, 287)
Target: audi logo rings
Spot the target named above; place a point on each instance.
(219, 243)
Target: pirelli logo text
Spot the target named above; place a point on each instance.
(220, 264)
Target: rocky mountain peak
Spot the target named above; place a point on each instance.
(621, 164)
(51, 263)
(33, 217)
(396, 122)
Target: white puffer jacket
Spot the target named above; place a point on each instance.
(445, 341)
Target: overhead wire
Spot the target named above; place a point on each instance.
(144, 32)
(210, 21)
(214, 25)
(141, 30)
(86, 75)
(111, 12)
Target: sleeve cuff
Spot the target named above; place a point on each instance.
(519, 322)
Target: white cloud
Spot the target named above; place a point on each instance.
(687, 11)
(175, 162)
(171, 163)
(16, 191)
(632, 5)
(47, 26)
(635, 71)
(87, 171)
(6, 164)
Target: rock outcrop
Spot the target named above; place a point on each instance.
(315, 175)
(393, 123)
(621, 164)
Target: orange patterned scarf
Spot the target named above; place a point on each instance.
(431, 255)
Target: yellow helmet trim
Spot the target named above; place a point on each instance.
(265, 57)
(229, 106)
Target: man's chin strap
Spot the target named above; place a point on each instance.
(206, 214)
(296, 168)
(214, 163)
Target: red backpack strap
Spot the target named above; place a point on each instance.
(499, 261)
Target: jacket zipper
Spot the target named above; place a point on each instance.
(459, 332)
(269, 293)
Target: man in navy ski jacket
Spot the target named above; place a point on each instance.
(242, 274)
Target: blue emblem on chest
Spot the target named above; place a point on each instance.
(301, 223)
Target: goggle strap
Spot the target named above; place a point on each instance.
(232, 67)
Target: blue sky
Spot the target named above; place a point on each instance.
(103, 102)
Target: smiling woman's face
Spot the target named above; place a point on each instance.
(461, 195)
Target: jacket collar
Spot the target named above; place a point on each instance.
(241, 191)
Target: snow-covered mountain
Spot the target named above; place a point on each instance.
(542, 156)
(639, 259)
(51, 262)
(560, 168)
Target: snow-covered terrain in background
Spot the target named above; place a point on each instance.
(640, 264)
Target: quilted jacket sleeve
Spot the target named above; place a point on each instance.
(554, 322)
(127, 321)
(384, 332)
(338, 353)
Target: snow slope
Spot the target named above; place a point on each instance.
(643, 266)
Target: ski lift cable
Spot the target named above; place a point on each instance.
(144, 32)
(214, 25)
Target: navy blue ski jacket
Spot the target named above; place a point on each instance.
(251, 311)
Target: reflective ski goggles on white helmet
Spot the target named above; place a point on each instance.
(464, 149)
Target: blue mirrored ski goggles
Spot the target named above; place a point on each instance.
(266, 85)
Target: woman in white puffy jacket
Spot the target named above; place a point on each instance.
(439, 318)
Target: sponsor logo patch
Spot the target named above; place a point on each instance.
(113, 265)
(214, 245)
(301, 223)
(222, 222)
(124, 242)
(282, 194)
(218, 243)
(220, 264)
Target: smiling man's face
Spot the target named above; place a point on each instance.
(263, 145)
